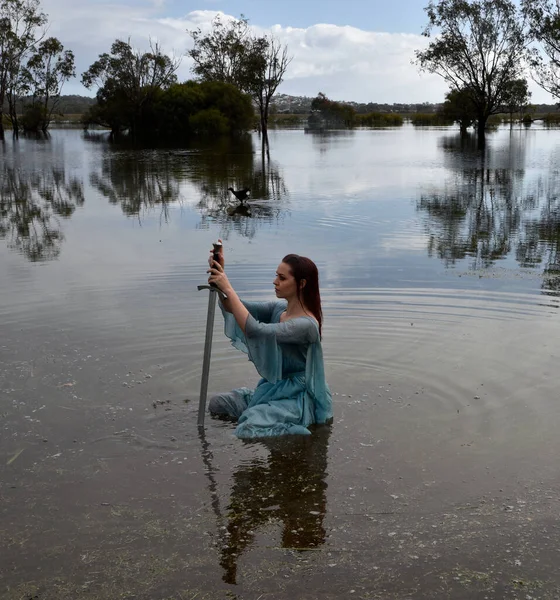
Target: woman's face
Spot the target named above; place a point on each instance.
(285, 283)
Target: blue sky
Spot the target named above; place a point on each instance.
(359, 50)
(402, 16)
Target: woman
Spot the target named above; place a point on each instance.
(283, 340)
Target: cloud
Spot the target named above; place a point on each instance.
(344, 62)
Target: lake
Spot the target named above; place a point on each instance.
(440, 275)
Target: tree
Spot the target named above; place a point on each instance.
(481, 46)
(128, 81)
(458, 108)
(220, 55)
(47, 71)
(544, 22)
(267, 63)
(20, 23)
(331, 113)
(230, 53)
(207, 108)
(516, 97)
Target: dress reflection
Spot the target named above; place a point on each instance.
(289, 487)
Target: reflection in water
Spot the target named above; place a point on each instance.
(236, 165)
(475, 215)
(540, 244)
(139, 180)
(31, 205)
(325, 139)
(288, 487)
(486, 209)
(142, 179)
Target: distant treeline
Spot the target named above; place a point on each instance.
(302, 105)
(66, 105)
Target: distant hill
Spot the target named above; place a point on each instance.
(286, 104)
(300, 105)
(74, 105)
(68, 105)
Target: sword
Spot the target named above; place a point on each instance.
(214, 290)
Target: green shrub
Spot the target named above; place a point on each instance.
(494, 121)
(284, 120)
(182, 110)
(209, 122)
(377, 119)
(429, 119)
(551, 119)
(33, 118)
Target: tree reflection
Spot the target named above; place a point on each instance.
(487, 210)
(540, 242)
(139, 180)
(32, 206)
(480, 208)
(288, 487)
(234, 163)
(475, 216)
(325, 139)
(199, 174)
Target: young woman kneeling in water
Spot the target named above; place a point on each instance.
(283, 340)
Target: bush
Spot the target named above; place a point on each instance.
(209, 122)
(175, 113)
(551, 119)
(285, 120)
(494, 121)
(377, 119)
(209, 108)
(33, 118)
(429, 119)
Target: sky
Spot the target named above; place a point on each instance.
(356, 50)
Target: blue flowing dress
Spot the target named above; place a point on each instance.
(293, 392)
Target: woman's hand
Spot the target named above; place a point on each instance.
(219, 278)
(220, 256)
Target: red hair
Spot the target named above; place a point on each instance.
(309, 296)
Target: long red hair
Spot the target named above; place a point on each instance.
(309, 295)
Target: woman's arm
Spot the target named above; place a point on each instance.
(233, 304)
(226, 304)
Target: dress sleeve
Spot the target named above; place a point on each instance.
(263, 339)
(317, 384)
(260, 311)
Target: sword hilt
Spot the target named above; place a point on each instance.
(212, 288)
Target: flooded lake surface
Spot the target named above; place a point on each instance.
(440, 274)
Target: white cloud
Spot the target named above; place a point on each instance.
(344, 62)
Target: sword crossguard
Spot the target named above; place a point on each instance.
(212, 289)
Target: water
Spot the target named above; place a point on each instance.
(440, 281)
